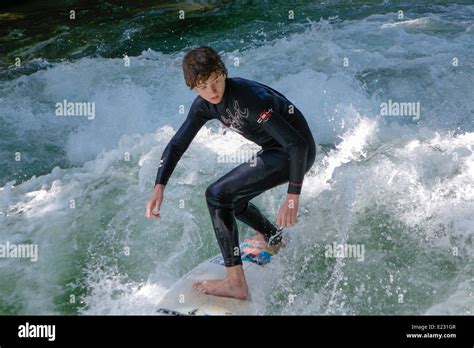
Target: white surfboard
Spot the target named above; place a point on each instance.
(183, 299)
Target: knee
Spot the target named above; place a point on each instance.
(218, 194)
(211, 192)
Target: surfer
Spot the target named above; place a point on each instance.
(263, 116)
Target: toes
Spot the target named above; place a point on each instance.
(199, 286)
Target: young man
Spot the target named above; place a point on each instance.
(262, 115)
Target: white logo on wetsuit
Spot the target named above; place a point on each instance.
(235, 121)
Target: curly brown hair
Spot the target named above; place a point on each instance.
(200, 63)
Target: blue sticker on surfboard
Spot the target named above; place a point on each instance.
(250, 252)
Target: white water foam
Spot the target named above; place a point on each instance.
(419, 175)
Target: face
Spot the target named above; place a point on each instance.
(212, 90)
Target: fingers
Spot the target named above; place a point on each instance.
(155, 216)
(281, 219)
(158, 205)
(284, 219)
(286, 216)
(278, 220)
(290, 218)
(293, 217)
(149, 211)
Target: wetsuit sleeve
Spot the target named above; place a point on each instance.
(282, 131)
(180, 142)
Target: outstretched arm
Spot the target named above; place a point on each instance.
(172, 154)
(177, 146)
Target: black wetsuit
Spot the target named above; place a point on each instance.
(267, 118)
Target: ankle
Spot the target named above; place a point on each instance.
(236, 280)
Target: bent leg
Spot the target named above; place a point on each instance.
(254, 218)
(229, 197)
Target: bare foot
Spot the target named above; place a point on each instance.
(258, 240)
(223, 288)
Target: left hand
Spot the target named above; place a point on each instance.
(289, 209)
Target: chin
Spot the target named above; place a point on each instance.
(214, 101)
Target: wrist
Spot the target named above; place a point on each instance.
(159, 187)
